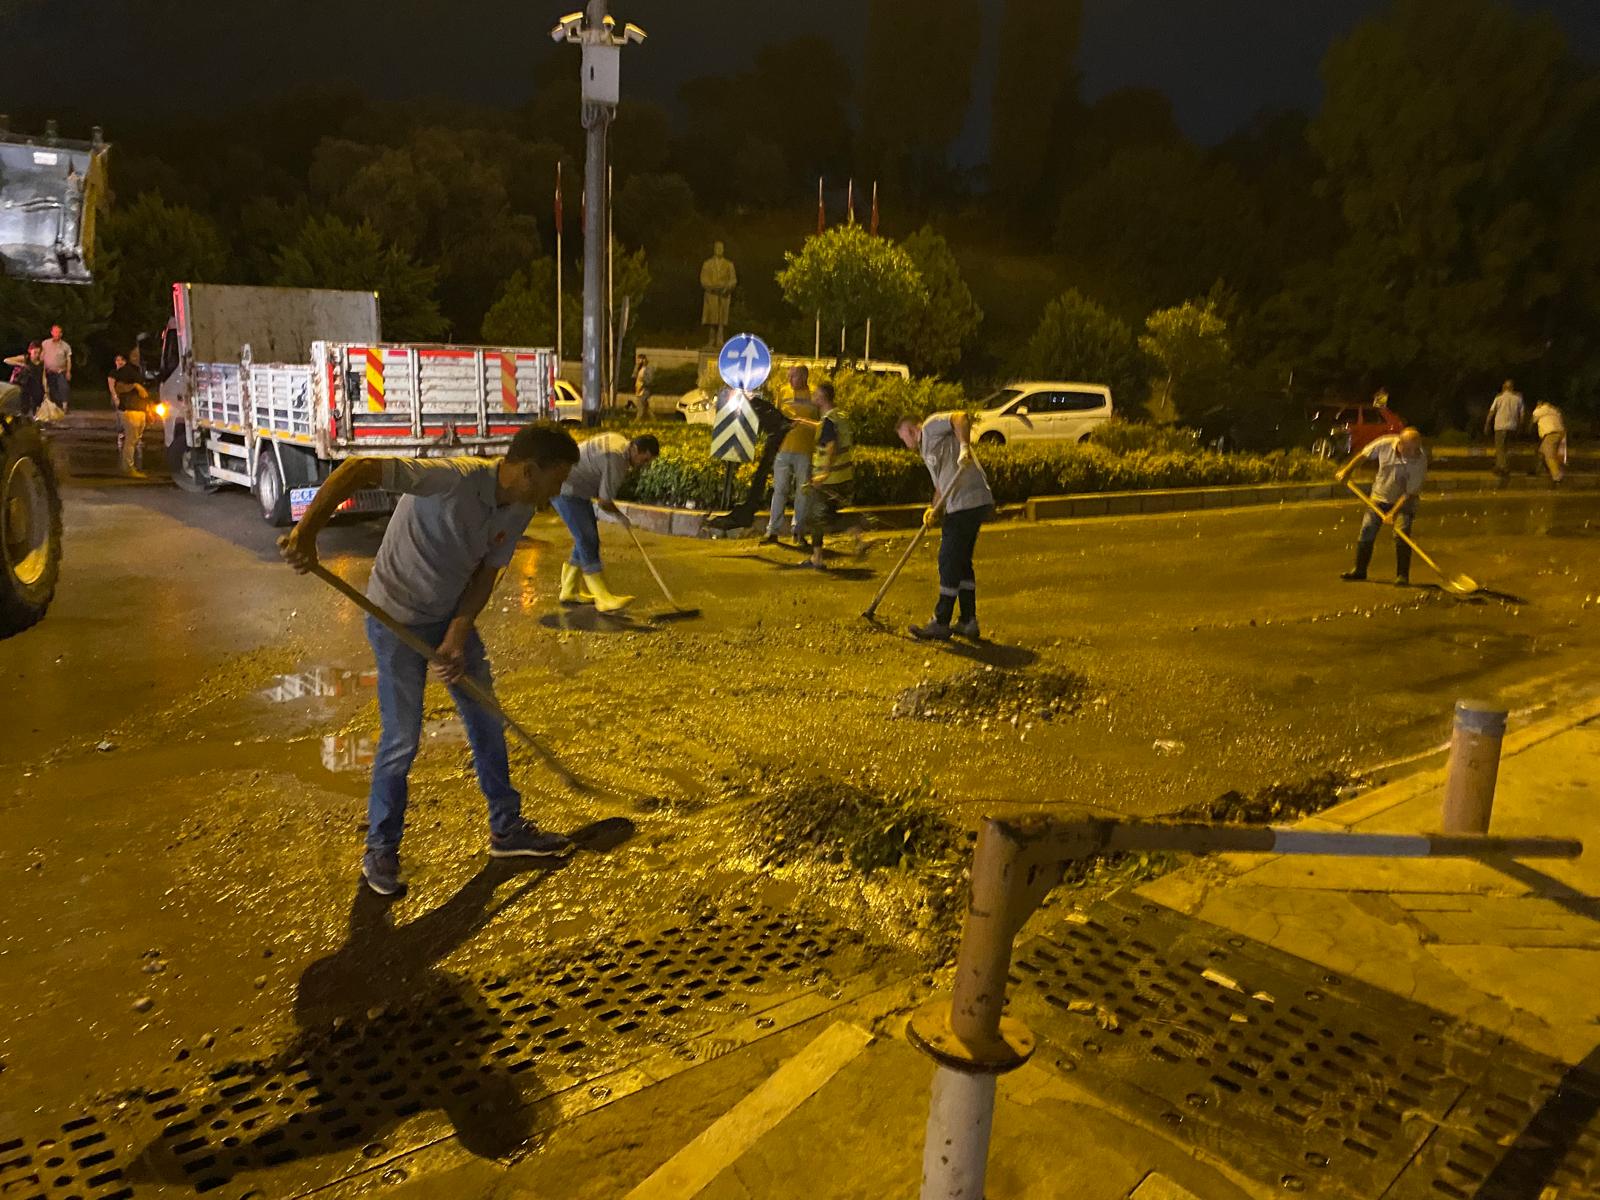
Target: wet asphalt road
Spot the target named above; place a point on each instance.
(181, 773)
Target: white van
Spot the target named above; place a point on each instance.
(1042, 411)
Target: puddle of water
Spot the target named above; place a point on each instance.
(318, 682)
(355, 751)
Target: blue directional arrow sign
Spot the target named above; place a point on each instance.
(745, 362)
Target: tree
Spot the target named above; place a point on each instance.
(933, 334)
(651, 207)
(443, 197)
(1189, 346)
(1078, 340)
(27, 310)
(802, 136)
(524, 312)
(1035, 103)
(328, 253)
(916, 86)
(849, 276)
(1162, 224)
(1447, 137)
(156, 245)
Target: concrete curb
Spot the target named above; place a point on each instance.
(1349, 813)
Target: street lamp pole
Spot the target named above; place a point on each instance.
(594, 31)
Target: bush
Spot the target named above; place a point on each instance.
(674, 381)
(686, 475)
(1124, 437)
(876, 402)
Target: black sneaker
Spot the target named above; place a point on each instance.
(381, 870)
(770, 539)
(933, 631)
(968, 630)
(530, 842)
(1354, 576)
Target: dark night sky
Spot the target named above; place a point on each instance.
(1220, 60)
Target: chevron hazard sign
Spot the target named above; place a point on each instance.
(733, 433)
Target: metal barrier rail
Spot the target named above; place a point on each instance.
(1015, 866)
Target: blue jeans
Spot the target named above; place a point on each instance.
(790, 472)
(1371, 523)
(402, 674)
(577, 513)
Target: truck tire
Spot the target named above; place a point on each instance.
(274, 482)
(186, 464)
(271, 493)
(30, 526)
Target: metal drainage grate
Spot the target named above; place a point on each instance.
(469, 1056)
(1300, 1078)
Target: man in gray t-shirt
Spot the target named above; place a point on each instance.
(1402, 466)
(961, 490)
(1505, 419)
(604, 462)
(453, 532)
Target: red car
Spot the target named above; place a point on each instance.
(1345, 429)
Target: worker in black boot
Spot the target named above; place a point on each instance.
(962, 490)
(1402, 466)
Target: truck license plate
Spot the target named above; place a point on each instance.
(366, 500)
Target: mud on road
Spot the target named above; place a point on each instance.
(182, 783)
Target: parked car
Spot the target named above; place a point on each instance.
(1253, 422)
(1042, 411)
(697, 407)
(1340, 430)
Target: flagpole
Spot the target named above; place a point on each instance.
(611, 303)
(560, 345)
(822, 221)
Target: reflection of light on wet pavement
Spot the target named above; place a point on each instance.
(318, 681)
(526, 569)
(355, 751)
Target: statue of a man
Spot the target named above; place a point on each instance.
(718, 278)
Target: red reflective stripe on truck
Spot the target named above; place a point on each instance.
(504, 430)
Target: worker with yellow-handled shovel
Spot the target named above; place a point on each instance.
(453, 532)
(1402, 466)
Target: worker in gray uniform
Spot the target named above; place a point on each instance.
(604, 464)
(961, 490)
(1402, 466)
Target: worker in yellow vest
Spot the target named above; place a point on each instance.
(833, 476)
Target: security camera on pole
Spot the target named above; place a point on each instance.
(594, 30)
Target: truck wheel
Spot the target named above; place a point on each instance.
(186, 464)
(30, 526)
(271, 493)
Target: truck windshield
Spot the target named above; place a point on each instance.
(1000, 399)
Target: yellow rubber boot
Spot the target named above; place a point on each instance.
(605, 600)
(572, 590)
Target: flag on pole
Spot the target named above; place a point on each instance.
(874, 208)
(558, 195)
(850, 202)
(822, 213)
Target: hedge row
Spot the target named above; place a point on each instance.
(686, 476)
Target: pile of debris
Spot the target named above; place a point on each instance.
(989, 694)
